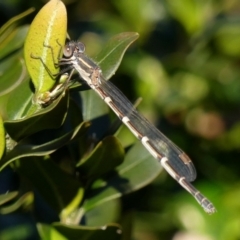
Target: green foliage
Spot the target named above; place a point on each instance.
(37, 136)
(2, 138)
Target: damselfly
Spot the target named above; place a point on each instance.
(171, 157)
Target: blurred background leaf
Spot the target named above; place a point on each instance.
(64, 232)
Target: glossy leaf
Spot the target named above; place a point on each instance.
(2, 138)
(48, 28)
(14, 82)
(13, 73)
(96, 111)
(4, 198)
(138, 169)
(47, 232)
(53, 184)
(105, 213)
(14, 42)
(12, 37)
(109, 60)
(107, 155)
(24, 201)
(111, 55)
(47, 118)
(34, 148)
(65, 232)
(93, 106)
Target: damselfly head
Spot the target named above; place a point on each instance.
(68, 49)
(80, 47)
(72, 47)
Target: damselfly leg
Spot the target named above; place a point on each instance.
(62, 78)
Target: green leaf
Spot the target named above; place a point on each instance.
(192, 14)
(31, 147)
(7, 197)
(93, 106)
(46, 118)
(17, 231)
(47, 232)
(53, 184)
(96, 111)
(48, 28)
(14, 42)
(226, 39)
(138, 169)
(111, 55)
(25, 200)
(2, 138)
(15, 94)
(13, 73)
(109, 59)
(105, 213)
(12, 37)
(65, 232)
(107, 155)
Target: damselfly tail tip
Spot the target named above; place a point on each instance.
(210, 209)
(204, 202)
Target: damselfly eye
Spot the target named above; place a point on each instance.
(81, 47)
(68, 51)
